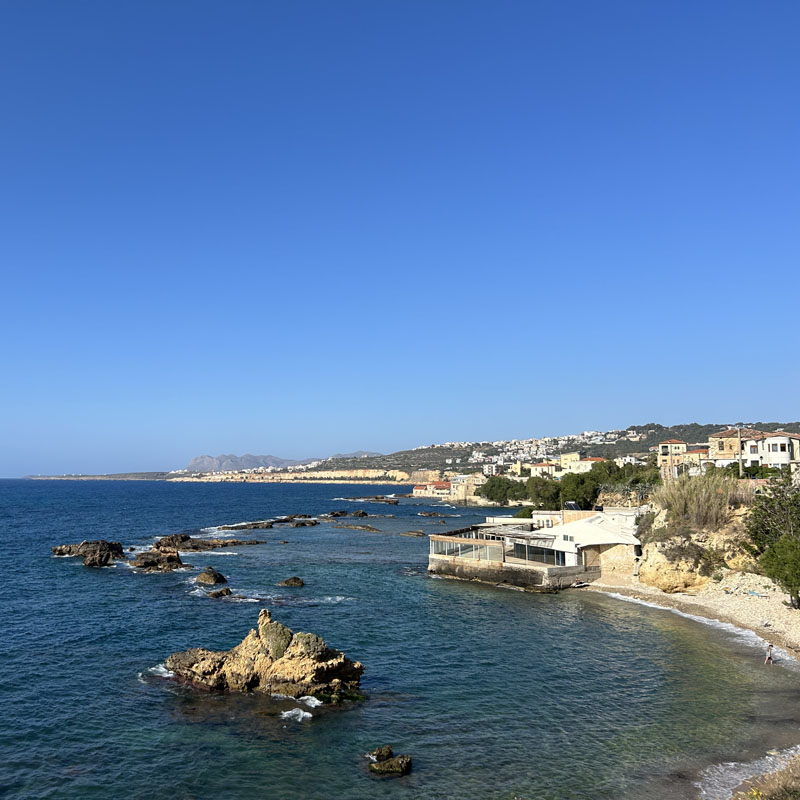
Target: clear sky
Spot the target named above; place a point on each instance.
(306, 227)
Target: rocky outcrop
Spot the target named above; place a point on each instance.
(95, 553)
(224, 592)
(336, 514)
(359, 513)
(182, 541)
(412, 533)
(158, 561)
(431, 514)
(211, 577)
(293, 581)
(248, 526)
(367, 528)
(384, 762)
(672, 566)
(273, 660)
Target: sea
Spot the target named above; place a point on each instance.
(496, 694)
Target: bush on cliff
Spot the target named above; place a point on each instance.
(702, 501)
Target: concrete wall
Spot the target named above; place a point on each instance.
(539, 578)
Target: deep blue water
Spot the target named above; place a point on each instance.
(496, 694)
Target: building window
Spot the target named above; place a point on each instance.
(721, 445)
(783, 447)
(754, 448)
(773, 448)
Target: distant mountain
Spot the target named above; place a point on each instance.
(224, 463)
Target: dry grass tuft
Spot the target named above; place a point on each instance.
(703, 501)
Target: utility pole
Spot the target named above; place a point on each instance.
(739, 435)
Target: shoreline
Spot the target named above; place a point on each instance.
(745, 611)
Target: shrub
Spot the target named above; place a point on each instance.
(704, 501)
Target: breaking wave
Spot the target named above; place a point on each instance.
(297, 714)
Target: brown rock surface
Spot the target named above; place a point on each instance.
(210, 576)
(95, 553)
(182, 541)
(271, 659)
(671, 567)
(386, 763)
(158, 561)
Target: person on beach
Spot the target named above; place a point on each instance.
(769, 659)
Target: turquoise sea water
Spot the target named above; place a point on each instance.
(495, 694)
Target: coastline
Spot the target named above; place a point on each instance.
(745, 611)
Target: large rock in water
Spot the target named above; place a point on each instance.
(96, 553)
(271, 659)
(158, 561)
(387, 763)
(211, 576)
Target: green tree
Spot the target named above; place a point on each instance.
(781, 562)
(776, 513)
(544, 492)
(500, 490)
(581, 489)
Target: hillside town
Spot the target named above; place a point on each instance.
(748, 450)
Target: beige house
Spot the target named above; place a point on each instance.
(582, 465)
(570, 458)
(754, 448)
(671, 458)
(546, 469)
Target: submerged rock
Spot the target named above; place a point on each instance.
(96, 553)
(386, 763)
(158, 561)
(224, 592)
(359, 513)
(182, 541)
(340, 513)
(248, 526)
(293, 581)
(412, 533)
(210, 576)
(273, 660)
(368, 528)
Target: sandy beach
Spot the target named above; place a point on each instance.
(747, 601)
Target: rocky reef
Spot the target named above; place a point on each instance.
(273, 660)
(385, 762)
(182, 541)
(158, 561)
(95, 553)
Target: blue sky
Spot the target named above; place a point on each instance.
(308, 227)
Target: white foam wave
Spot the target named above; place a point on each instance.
(310, 701)
(743, 634)
(161, 671)
(297, 714)
(279, 696)
(198, 592)
(213, 553)
(718, 782)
